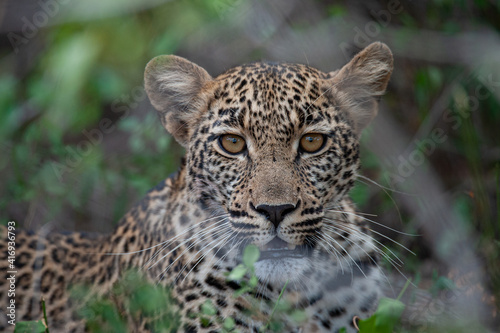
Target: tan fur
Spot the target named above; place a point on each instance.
(364, 77)
(189, 231)
(174, 86)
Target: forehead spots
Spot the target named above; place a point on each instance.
(271, 100)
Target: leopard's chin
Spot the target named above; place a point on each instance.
(278, 271)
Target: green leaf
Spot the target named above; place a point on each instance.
(253, 281)
(337, 10)
(205, 322)
(251, 255)
(360, 194)
(208, 308)
(241, 291)
(30, 327)
(384, 319)
(442, 283)
(237, 273)
(299, 316)
(276, 326)
(229, 323)
(435, 78)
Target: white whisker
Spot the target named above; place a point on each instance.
(372, 221)
(331, 249)
(170, 241)
(332, 229)
(382, 253)
(201, 238)
(369, 180)
(347, 252)
(386, 191)
(201, 235)
(224, 237)
(343, 225)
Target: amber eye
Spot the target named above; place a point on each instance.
(232, 144)
(312, 142)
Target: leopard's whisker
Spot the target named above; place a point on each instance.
(337, 206)
(388, 238)
(331, 249)
(383, 254)
(221, 237)
(377, 250)
(234, 239)
(224, 237)
(199, 238)
(386, 191)
(341, 225)
(335, 230)
(299, 284)
(371, 181)
(159, 244)
(183, 242)
(233, 245)
(332, 228)
(347, 252)
(182, 255)
(372, 221)
(176, 238)
(262, 287)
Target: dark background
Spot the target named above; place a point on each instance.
(80, 142)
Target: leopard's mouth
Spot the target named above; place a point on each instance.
(279, 249)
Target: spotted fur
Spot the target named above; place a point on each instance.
(190, 229)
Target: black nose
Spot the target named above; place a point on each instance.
(275, 213)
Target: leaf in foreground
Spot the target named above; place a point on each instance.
(384, 319)
(30, 327)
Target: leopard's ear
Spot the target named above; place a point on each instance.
(360, 84)
(175, 87)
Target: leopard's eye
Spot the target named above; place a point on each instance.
(312, 142)
(232, 144)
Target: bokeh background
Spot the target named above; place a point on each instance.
(80, 142)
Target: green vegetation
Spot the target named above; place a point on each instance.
(80, 143)
(38, 326)
(385, 318)
(141, 299)
(135, 297)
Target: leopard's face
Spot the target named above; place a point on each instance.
(272, 150)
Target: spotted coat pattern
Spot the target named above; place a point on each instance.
(190, 229)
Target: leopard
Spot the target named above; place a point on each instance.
(272, 152)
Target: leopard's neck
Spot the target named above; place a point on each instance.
(161, 223)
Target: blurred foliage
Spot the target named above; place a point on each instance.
(81, 92)
(133, 296)
(144, 301)
(80, 143)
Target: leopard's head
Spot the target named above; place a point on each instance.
(272, 147)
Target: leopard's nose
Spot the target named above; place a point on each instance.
(275, 213)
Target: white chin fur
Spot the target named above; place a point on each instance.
(279, 271)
